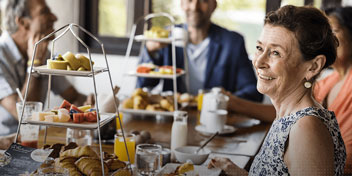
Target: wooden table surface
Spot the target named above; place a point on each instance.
(239, 146)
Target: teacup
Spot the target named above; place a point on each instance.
(216, 120)
(181, 36)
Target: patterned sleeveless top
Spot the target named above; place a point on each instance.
(270, 159)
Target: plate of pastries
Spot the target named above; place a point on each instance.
(143, 102)
(81, 160)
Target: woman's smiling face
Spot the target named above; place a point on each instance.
(278, 62)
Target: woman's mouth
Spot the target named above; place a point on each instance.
(265, 77)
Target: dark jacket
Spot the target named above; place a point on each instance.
(228, 65)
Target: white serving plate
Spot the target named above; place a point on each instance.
(152, 75)
(227, 130)
(198, 170)
(44, 70)
(140, 38)
(145, 112)
(104, 119)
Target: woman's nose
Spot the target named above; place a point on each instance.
(260, 61)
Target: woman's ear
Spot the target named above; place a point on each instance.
(315, 66)
(23, 22)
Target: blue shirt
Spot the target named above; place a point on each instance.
(13, 75)
(197, 62)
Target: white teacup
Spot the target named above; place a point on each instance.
(216, 120)
(181, 36)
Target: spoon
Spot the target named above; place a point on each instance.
(206, 142)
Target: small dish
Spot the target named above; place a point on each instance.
(226, 130)
(185, 153)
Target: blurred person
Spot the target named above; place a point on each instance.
(24, 22)
(216, 56)
(296, 43)
(334, 91)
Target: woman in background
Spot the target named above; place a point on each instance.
(335, 91)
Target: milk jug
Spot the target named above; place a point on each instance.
(213, 100)
(179, 130)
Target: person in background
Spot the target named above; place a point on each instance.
(24, 22)
(334, 91)
(296, 43)
(216, 57)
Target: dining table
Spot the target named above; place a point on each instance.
(240, 146)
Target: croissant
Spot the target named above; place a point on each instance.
(78, 152)
(91, 166)
(69, 165)
(114, 164)
(122, 172)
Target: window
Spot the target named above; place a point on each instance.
(110, 21)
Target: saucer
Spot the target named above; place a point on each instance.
(226, 130)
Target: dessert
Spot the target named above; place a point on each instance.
(149, 68)
(67, 112)
(156, 32)
(69, 61)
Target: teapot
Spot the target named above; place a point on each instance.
(214, 100)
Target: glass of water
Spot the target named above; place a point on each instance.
(148, 159)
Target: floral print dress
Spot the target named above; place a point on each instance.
(270, 159)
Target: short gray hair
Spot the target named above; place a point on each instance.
(10, 10)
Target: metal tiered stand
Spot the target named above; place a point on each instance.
(95, 70)
(171, 40)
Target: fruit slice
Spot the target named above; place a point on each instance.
(65, 104)
(75, 109)
(90, 116)
(78, 117)
(84, 108)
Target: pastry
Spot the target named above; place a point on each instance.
(56, 64)
(72, 61)
(114, 164)
(186, 167)
(69, 165)
(128, 103)
(164, 103)
(91, 166)
(139, 102)
(122, 172)
(85, 63)
(78, 152)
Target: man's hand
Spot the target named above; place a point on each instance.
(153, 46)
(42, 49)
(6, 141)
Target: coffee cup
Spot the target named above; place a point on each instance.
(181, 36)
(216, 120)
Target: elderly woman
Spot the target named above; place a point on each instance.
(295, 45)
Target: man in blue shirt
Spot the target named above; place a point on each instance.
(216, 57)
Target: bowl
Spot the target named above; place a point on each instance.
(185, 153)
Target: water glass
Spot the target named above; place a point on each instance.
(80, 137)
(120, 148)
(29, 133)
(148, 159)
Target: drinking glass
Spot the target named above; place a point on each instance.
(148, 159)
(29, 133)
(118, 126)
(120, 148)
(80, 137)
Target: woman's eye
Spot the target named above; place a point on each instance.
(259, 48)
(275, 53)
